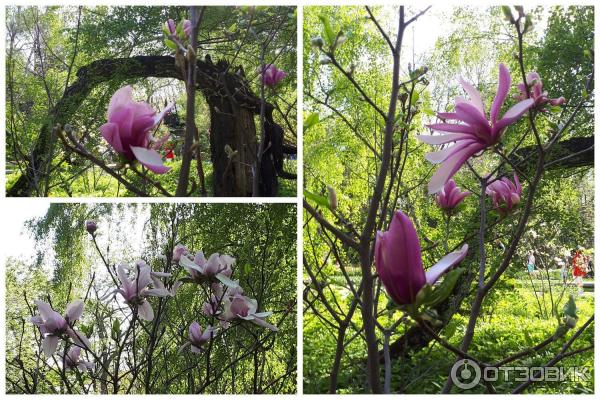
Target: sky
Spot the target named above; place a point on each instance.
(15, 240)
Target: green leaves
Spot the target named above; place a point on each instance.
(328, 32)
(310, 121)
(116, 329)
(170, 44)
(430, 296)
(315, 198)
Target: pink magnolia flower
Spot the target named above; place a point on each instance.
(178, 251)
(54, 326)
(271, 76)
(450, 196)
(217, 266)
(197, 338)
(505, 194)
(135, 291)
(239, 306)
(128, 129)
(399, 264)
(475, 133)
(72, 360)
(187, 27)
(211, 308)
(171, 28)
(535, 90)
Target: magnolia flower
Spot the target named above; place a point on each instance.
(53, 326)
(91, 227)
(239, 306)
(271, 76)
(178, 251)
(534, 89)
(197, 338)
(171, 28)
(72, 360)
(450, 196)
(187, 27)
(505, 194)
(135, 291)
(476, 133)
(217, 266)
(399, 264)
(210, 308)
(128, 129)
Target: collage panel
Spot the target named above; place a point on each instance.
(102, 101)
(107, 298)
(448, 240)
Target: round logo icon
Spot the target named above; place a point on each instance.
(465, 374)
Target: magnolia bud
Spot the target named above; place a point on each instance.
(333, 203)
(317, 41)
(91, 227)
(570, 321)
(324, 60)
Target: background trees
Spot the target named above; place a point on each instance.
(244, 359)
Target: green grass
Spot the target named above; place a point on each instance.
(510, 321)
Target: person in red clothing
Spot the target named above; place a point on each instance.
(579, 268)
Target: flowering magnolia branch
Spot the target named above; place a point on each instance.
(397, 252)
(227, 309)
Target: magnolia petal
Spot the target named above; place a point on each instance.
(513, 114)
(469, 114)
(74, 310)
(226, 281)
(79, 338)
(195, 349)
(145, 311)
(447, 262)
(150, 159)
(439, 156)
(263, 314)
(49, 345)
(442, 139)
(503, 87)
(157, 292)
(189, 264)
(160, 274)
(473, 95)
(185, 346)
(119, 99)
(44, 309)
(110, 133)
(265, 324)
(159, 117)
(451, 165)
(453, 128)
(175, 287)
(246, 318)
